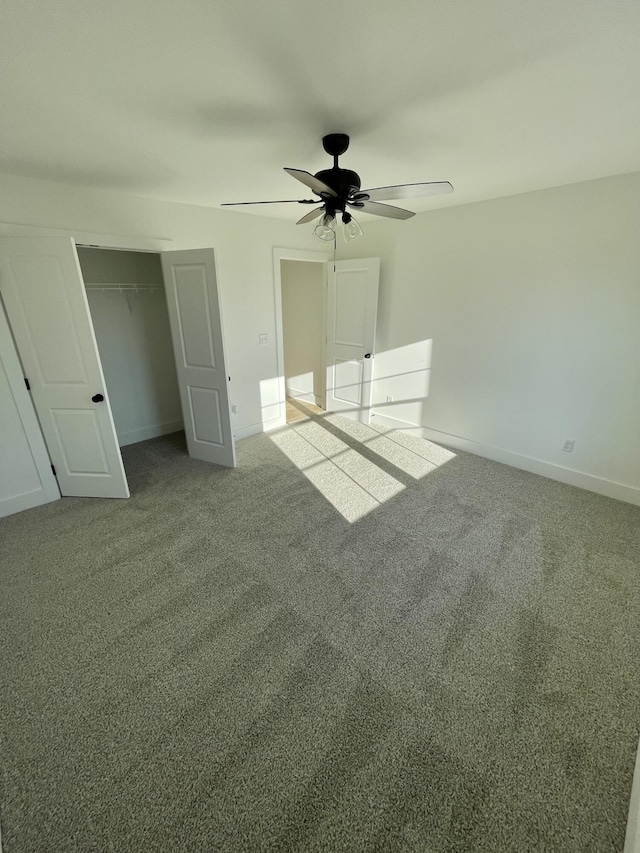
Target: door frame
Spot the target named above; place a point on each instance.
(278, 256)
(89, 239)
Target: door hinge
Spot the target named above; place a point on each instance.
(53, 469)
(26, 382)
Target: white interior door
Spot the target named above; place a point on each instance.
(352, 307)
(196, 328)
(26, 479)
(47, 307)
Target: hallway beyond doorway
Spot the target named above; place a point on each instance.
(298, 409)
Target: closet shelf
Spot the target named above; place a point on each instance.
(93, 285)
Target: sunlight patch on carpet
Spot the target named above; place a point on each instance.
(347, 478)
(411, 454)
(350, 482)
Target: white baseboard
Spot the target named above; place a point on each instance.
(153, 431)
(608, 488)
(306, 397)
(247, 431)
(18, 503)
(257, 428)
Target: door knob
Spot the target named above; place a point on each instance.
(97, 398)
(367, 355)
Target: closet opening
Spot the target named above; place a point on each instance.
(126, 296)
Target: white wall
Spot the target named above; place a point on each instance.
(244, 255)
(134, 341)
(509, 325)
(303, 325)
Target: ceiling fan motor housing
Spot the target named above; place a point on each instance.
(341, 181)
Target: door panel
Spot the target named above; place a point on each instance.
(51, 321)
(348, 377)
(26, 479)
(80, 441)
(47, 307)
(196, 329)
(205, 405)
(194, 316)
(352, 306)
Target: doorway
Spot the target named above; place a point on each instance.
(348, 328)
(303, 337)
(311, 265)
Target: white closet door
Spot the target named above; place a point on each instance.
(46, 303)
(352, 308)
(26, 479)
(196, 329)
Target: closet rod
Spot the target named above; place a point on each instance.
(93, 285)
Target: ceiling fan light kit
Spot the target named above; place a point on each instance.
(338, 189)
(351, 229)
(326, 230)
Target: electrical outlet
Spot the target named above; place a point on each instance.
(389, 398)
(567, 445)
(263, 339)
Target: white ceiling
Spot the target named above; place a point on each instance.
(205, 101)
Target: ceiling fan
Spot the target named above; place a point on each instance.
(338, 189)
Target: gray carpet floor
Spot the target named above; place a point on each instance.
(229, 661)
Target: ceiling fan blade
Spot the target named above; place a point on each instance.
(382, 209)
(311, 181)
(408, 191)
(281, 201)
(309, 217)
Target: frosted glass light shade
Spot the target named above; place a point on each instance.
(351, 229)
(326, 230)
